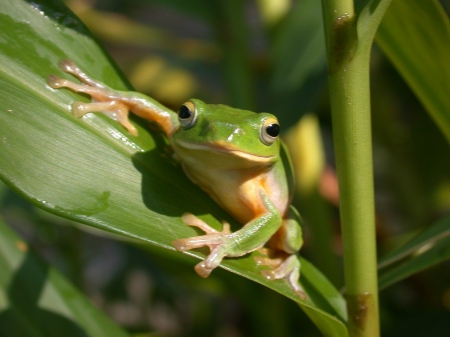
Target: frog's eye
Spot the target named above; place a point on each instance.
(187, 115)
(270, 129)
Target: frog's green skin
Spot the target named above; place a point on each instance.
(233, 155)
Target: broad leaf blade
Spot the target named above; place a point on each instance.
(48, 305)
(415, 35)
(91, 170)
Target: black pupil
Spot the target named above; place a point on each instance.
(273, 130)
(184, 112)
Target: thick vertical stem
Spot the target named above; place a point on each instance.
(352, 138)
(348, 65)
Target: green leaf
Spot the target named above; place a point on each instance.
(428, 248)
(91, 170)
(36, 300)
(415, 36)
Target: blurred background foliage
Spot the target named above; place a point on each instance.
(265, 56)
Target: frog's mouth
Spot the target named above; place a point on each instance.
(228, 150)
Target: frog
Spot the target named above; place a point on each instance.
(236, 156)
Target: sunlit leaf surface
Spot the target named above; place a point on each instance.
(91, 170)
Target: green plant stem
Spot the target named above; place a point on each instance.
(348, 65)
(352, 137)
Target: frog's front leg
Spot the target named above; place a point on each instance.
(114, 103)
(213, 239)
(226, 244)
(70, 67)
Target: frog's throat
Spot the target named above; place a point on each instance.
(228, 150)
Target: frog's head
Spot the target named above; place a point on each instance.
(244, 134)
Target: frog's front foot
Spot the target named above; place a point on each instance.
(282, 266)
(105, 100)
(218, 243)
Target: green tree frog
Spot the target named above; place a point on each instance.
(235, 156)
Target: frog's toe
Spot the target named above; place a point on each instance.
(79, 109)
(67, 66)
(55, 81)
(293, 278)
(212, 261)
(269, 258)
(202, 270)
(271, 274)
(191, 220)
(181, 245)
(210, 240)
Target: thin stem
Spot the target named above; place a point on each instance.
(348, 65)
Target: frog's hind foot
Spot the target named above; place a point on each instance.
(282, 266)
